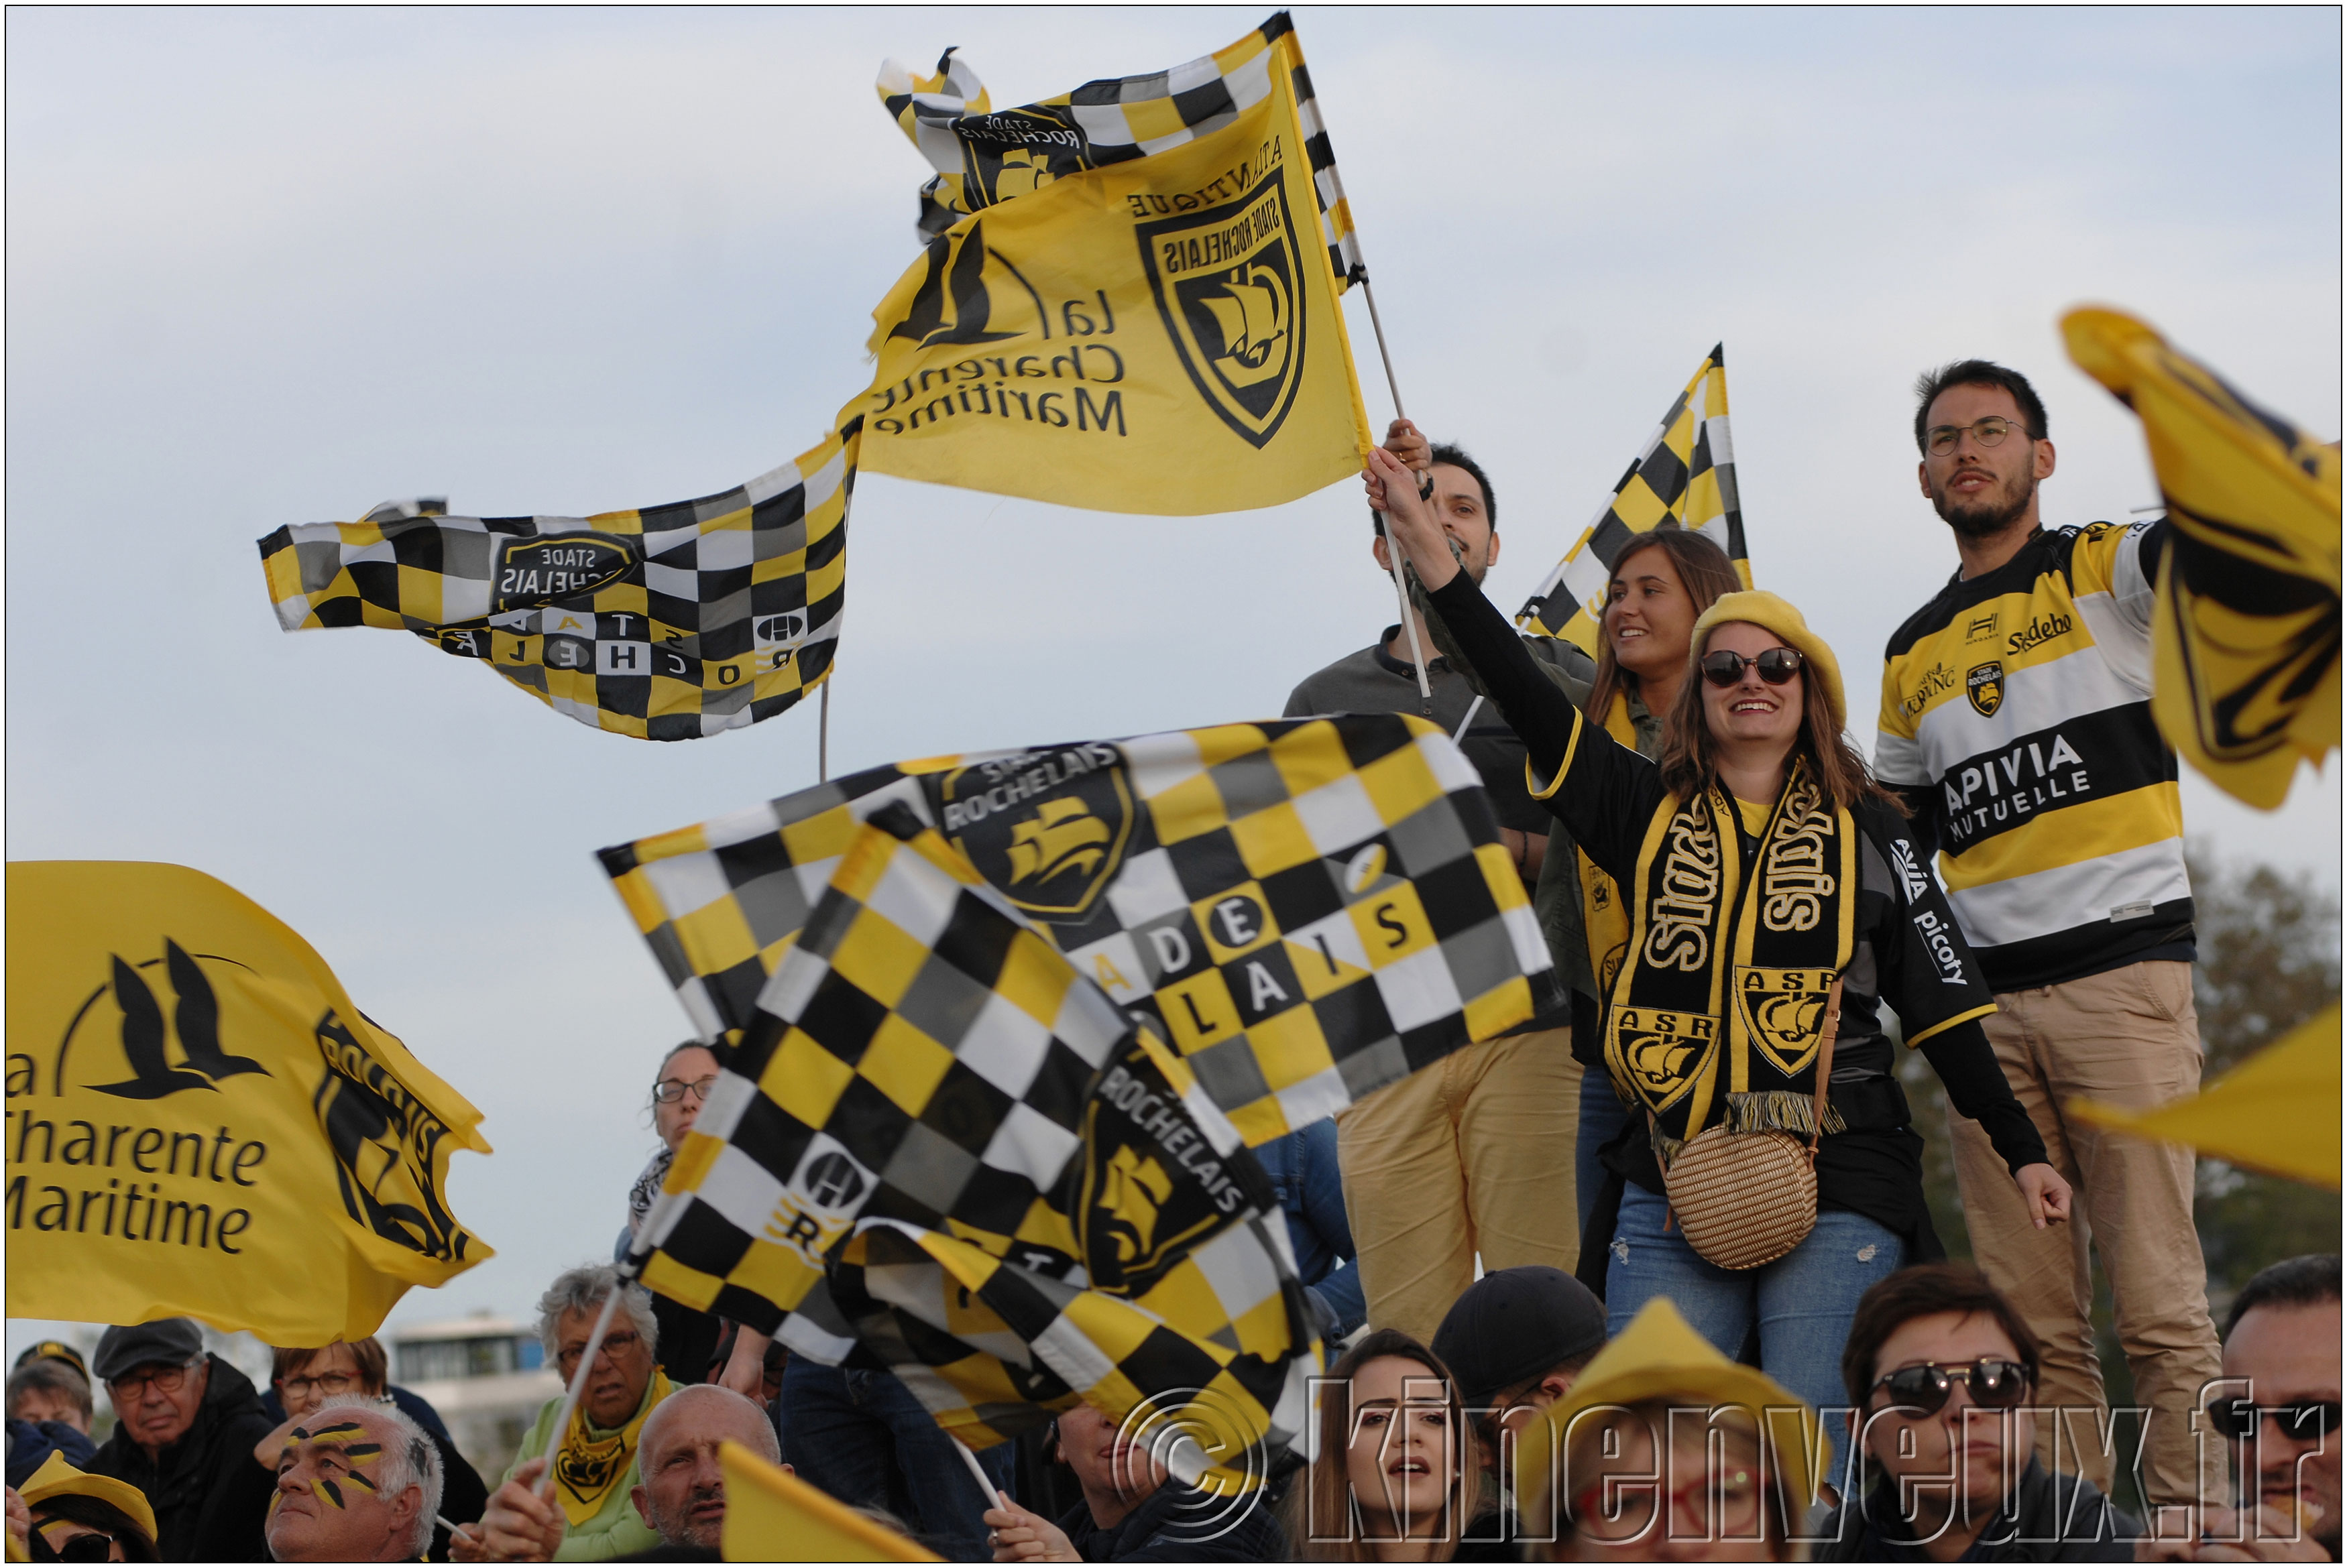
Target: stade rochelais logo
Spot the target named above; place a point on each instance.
(1227, 283)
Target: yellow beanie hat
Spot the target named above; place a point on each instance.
(55, 1478)
(1770, 613)
(1659, 1356)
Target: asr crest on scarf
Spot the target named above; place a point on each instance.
(1717, 1013)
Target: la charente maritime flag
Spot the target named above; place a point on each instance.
(2245, 629)
(200, 1122)
(1685, 476)
(1156, 334)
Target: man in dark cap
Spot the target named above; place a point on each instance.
(1516, 1341)
(186, 1423)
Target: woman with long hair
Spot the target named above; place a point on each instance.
(1394, 1478)
(1660, 582)
(1774, 901)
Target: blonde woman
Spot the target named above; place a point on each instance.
(1395, 1478)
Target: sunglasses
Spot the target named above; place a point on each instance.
(93, 1547)
(1777, 665)
(2303, 1421)
(1996, 1384)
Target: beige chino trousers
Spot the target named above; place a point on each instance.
(1471, 1154)
(2128, 1037)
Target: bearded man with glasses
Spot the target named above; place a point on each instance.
(1942, 1372)
(2016, 722)
(185, 1427)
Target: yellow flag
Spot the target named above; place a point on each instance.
(2245, 631)
(2278, 1112)
(202, 1124)
(1156, 335)
(773, 1516)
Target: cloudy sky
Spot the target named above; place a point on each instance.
(272, 266)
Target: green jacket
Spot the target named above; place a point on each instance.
(617, 1530)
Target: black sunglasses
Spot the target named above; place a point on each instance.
(96, 1548)
(1995, 1383)
(2303, 1421)
(1777, 665)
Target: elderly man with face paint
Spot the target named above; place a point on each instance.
(357, 1482)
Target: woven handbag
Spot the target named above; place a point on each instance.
(1748, 1198)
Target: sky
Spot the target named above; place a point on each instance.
(272, 266)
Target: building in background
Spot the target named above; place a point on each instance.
(485, 1374)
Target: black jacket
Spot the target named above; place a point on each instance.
(2052, 1518)
(1176, 1524)
(211, 1497)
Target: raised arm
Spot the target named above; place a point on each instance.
(1603, 791)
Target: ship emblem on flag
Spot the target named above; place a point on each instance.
(1224, 281)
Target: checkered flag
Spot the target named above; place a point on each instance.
(669, 623)
(939, 1140)
(983, 158)
(1306, 910)
(1686, 473)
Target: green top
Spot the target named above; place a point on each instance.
(617, 1530)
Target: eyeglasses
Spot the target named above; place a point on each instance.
(1777, 665)
(1941, 439)
(326, 1383)
(1737, 1493)
(1996, 1384)
(91, 1546)
(668, 1091)
(133, 1386)
(613, 1346)
(2302, 1421)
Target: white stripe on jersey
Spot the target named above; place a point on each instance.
(1899, 760)
(2037, 696)
(2122, 643)
(2043, 903)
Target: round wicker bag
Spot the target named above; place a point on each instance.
(1748, 1198)
(1743, 1198)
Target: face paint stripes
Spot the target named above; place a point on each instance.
(337, 1426)
(329, 1492)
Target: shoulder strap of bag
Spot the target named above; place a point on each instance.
(1825, 1066)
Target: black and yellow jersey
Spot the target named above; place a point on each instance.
(2017, 716)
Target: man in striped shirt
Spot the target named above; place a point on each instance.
(2016, 719)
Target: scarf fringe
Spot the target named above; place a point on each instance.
(1777, 1111)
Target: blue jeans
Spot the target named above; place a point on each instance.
(1339, 1290)
(864, 1439)
(1802, 1304)
(1602, 1115)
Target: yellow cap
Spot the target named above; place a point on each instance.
(55, 1478)
(1659, 1357)
(1770, 613)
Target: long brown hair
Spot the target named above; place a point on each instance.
(1690, 764)
(1705, 571)
(1322, 1498)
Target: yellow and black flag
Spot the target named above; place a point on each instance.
(937, 1140)
(1686, 475)
(202, 1124)
(2245, 633)
(1149, 322)
(666, 623)
(1305, 909)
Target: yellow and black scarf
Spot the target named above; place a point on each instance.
(592, 1461)
(1604, 922)
(1717, 1012)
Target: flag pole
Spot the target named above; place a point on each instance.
(577, 1386)
(822, 735)
(1393, 554)
(985, 1486)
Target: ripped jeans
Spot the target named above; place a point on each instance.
(1800, 1305)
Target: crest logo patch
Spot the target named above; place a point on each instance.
(1226, 281)
(1049, 832)
(1783, 1011)
(533, 571)
(1663, 1052)
(1985, 685)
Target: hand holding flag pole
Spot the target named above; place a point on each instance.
(1360, 274)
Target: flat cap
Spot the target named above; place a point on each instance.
(1514, 1324)
(175, 1340)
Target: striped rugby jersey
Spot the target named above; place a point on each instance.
(2017, 716)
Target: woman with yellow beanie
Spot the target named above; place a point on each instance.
(1769, 1174)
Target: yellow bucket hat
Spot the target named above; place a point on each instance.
(1659, 1357)
(55, 1478)
(1770, 613)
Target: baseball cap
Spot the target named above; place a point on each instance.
(1514, 1324)
(174, 1340)
(55, 1351)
